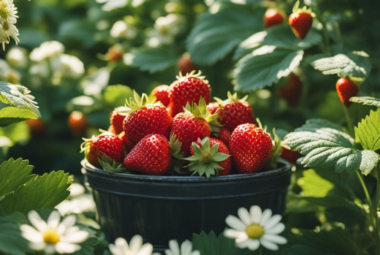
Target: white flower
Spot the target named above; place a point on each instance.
(78, 205)
(8, 19)
(165, 29)
(135, 247)
(41, 70)
(76, 189)
(122, 30)
(254, 228)
(186, 248)
(68, 66)
(16, 57)
(47, 50)
(53, 236)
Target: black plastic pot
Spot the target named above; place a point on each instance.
(161, 208)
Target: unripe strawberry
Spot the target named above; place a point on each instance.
(273, 17)
(291, 92)
(161, 93)
(151, 156)
(346, 89)
(250, 147)
(185, 65)
(77, 123)
(300, 21)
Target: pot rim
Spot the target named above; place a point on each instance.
(284, 168)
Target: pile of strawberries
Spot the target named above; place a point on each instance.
(177, 129)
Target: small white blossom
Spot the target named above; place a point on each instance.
(186, 248)
(68, 66)
(82, 204)
(135, 247)
(123, 30)
(47, 50)
(17, 57)
(40, 70)
(254, 228)
(76, 189)
(165, 30)
(8, 19)
(53, 236)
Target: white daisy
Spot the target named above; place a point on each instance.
(82, 204)
(186, 248)
(8, 19)
(17, 57)
(135, 247)
(123, 30)
(47, 50)
(254, 228)
(68, 66)
(53, 236)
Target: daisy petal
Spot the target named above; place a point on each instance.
(244, 216)
(272, 221)
(31, 234)
(53, 220)
(135, 244)
(241, 238)
(231, 233)
(67, 222)
(115, 250)
(50, 249)
(196, 253)
(253, 245)
(235, 223)
(174, 247)
(63, 247)
(146, 249)
(169, 252)
(77, 237)
(269, 245)
(276, 229)
(274, 238)
(37, 246)
(265, 217)
(243, 244)
(186, 247)
(255, 213)
(36, 221)
(122, 245)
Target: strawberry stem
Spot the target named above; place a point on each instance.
(349, 121)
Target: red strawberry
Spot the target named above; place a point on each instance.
(289, 155)
(291, 91)
(116, 119)
(115, 53)
(37, 127)
(346, 89)
(146, 118)
(106, 145)
(188, 89)
(185, 65)
(300, 21)
(213, 107)
(234, 111)
(273, 17)
(77, 123)
(210, 157)
(250, 147)
(224, 136)
(150, 156)
(127, 144)
(192, 124)
(161, 93)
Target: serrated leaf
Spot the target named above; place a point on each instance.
(10, 115)
(355, 65)
(266, 65)
(41, 192)
(313, 124)
(154, 59)
(370, 101)
(314, 185)
(368, 131)
(215, 35)
(280, 36)
(115, 95)
(328, 147)
(14, 173)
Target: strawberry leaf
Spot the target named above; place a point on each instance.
(264, 66)
(215, 35)
(327, 147)
(355, 65)
(154, 59)
(115, 95)
(368, 132)
(370, 101)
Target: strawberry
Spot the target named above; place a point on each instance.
(224, 136)
(116, 119)
(300, 21)
(210, 157)
(37, 127)
(185, 65)
(105, 150)
(146, 117)
(346, 89)
(273, 17)
(77, 123)
(114, 54)
(127, 144)
(250, 147)
(188, 89)
(213, 107)
(289, 155)
(161, 93)
(291, 91)
(191, 125)
(151, 156)
(234, 111)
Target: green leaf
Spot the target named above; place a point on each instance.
(326, 147)
(41, 192)
(355, 65)
(314, 185)
(215, 35)
(266, 65)
(14, 173)
(10, 115)
(154, 59)
(115, 95)
(368, 131)
(11, 241)
(371, 101)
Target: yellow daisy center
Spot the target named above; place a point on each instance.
(254, 231)
(51, 236)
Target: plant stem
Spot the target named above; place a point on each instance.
(324, 28)
(349, 121)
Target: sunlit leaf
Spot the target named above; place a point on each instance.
(368, 131)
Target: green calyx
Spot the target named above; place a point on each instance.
(200, 111)
(296, 9)
(231, 98)
(175, 149)
(198, 75)
(206, 158)
(137, 102)
(109, 165)
(276, 151)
